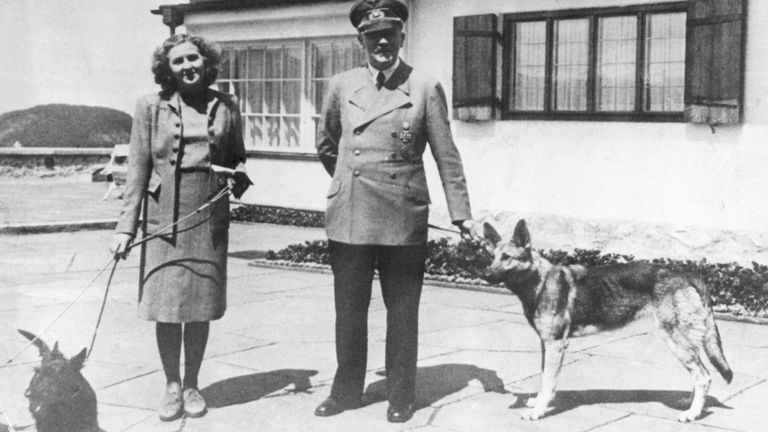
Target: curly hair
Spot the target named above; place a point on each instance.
(161, 68)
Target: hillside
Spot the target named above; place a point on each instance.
(59, 125)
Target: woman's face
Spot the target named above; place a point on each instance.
(187, 66)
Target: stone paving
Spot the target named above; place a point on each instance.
(270, 360)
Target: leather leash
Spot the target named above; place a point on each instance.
(435, 227)
(221, 194)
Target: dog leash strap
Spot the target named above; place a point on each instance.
(69, 306)
(221, 194)
(444, 229)
(101, 311)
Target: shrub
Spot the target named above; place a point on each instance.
(308, 252)
(278, 216)
(465, 259)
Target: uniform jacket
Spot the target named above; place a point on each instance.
(154, 150)
(371, 142)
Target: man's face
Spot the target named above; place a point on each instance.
(382, 46)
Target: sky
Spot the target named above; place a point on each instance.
(84, 52)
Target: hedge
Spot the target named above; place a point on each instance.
(735, 289)
(278, 216)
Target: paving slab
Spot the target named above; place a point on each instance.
(642, 423)
(492, 412)
(747, 410)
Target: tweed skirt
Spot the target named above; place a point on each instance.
(183, 275)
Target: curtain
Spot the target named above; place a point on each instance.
(571, 64)
(530, 64)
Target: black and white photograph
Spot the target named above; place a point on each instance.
(383, 215)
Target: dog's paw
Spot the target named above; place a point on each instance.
(687, 416)
(531, 402)
(532, 414)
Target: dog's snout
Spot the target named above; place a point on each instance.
(491, 276)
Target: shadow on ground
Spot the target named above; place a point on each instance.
(30, 428)
(569, 399)
(434, 383)
(247, 388)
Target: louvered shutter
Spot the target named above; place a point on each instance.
(474, 67)
(715, 61)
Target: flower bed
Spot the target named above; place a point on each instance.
(734, 289)
(278, 216)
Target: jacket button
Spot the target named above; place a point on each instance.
(392, 175)
(357, 152)
(394, 134)
(175, 149)
(393, 155)
(173, 162)
(178, 124)
(358, 132)
(177, 136)
(357, 173)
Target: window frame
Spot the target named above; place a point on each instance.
(307, 115)
(593, 15)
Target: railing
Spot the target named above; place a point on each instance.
(53, 156)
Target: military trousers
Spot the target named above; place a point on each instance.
(401, 273)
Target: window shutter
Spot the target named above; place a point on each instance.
(715, 61)
(474, 67)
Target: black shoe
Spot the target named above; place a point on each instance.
(332, 406)
(400, 414)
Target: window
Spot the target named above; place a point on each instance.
(621, 63)
(281, 87)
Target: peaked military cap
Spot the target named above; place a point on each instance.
(373, 15)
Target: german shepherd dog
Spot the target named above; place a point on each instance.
(561, 300)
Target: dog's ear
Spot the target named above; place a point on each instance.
(37, 342)
(490, 234)
(522, 238)
(77, 361)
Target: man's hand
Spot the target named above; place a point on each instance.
(467, 229)
(120, 244)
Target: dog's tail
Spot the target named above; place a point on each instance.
(712, 344)
(714, 349)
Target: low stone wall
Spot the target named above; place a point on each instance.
(641, 239)
(52, 157)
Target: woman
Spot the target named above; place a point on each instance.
(178, 135)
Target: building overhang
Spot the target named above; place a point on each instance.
(173, 14)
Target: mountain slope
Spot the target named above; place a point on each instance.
(59, 125)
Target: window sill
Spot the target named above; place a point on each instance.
(619, 117)
(282, 155)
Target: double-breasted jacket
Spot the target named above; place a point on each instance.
(154, 151)
(372, 141)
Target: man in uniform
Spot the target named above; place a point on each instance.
(376, 121)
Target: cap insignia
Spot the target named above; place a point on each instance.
(375, 14)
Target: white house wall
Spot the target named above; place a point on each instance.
(672, 173)
(658, 174)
